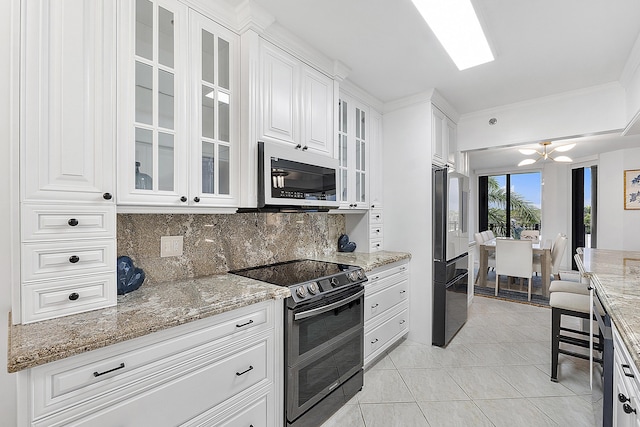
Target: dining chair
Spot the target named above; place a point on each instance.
(557, 250)
(485, 235)
(491, 258)
(513, 259)
(490, 234)
(533, 235)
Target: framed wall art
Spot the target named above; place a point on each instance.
(632, 189)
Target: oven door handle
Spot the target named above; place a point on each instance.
(325, 308)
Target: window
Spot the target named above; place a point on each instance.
(499, 208)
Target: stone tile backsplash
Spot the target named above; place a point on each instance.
(215, 244)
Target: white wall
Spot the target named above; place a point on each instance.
(556, 206)
(592, 110)
(7, 182)
(407, 205)
(617, 228)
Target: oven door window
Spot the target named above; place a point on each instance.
(316, 378)
(318, 332)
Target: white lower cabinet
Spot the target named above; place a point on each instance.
(626, 386)
(386, 309)
(224, 370)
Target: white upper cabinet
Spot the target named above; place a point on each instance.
(177, 107)
(443, 138)
(353, 153)
(296, 102)
(68, 104)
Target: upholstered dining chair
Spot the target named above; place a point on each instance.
(513, 259)
(557, 250)
(533, 235)
(491, 259)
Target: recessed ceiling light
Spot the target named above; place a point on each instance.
(456, 25)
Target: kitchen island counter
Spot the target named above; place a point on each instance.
(616, 278)
(152, 307)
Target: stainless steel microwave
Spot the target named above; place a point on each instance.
(294, 179)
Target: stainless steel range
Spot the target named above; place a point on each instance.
(324, 335)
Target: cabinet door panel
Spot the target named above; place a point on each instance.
(279, 95)
(68, 108)
(317, 97)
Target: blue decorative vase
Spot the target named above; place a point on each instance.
(129, 277)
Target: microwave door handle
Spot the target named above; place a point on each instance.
(325, 308)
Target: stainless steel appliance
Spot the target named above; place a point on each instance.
(450, 253)
(293, 178)
(324, 335)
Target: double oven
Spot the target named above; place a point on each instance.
(324, 335)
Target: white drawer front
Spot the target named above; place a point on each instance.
(376, 231)
(375, 217)
(57, 298)
(385, 299)
(73, 222)
(175, 392)
(376, 245)
(253, 415)
(70, 381)
(383, 336)
(59, 259)
(378, 274)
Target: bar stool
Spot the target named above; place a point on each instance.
(574, 305)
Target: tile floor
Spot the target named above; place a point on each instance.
(495, 372)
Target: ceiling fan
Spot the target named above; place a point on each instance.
(545, 153)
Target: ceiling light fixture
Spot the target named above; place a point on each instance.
(544, 154)
(456, 25)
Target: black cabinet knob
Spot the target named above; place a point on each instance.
(298, 146)
(107, 196)
(72, 222)
(305, 148)
(628, 409)
(74, 296)
(196, 199)
(73, 259)
(373, 206)
(183, 199)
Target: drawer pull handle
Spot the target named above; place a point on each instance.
(374, 341)
(402, 292)
(97, 374)
(375, 305)
(74, 296)
(375, 278)
(244, 372)
(402, 321)
(73, 259)
(626, 369)
(72, 222)
(244, 324)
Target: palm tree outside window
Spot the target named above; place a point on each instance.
(498, 207)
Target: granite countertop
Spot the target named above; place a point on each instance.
(153, 307)
(616, 277)
(368, 261)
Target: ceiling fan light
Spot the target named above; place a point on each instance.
(526, 162)
(527, 151)
(564, 148)
(563, 159)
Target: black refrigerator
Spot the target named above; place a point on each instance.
(450, 253)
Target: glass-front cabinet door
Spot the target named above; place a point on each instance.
(214, 141)
(177, 107)
(353, 158)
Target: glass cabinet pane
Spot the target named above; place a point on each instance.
(223, 169)
(344, 107)
(223, 63)
(223, 117)
(144, 93)
(165, 100)
(144, 29)
(208, 168)
(165, 37)
(144, 159)
(208, 113)
(165, 162)
(208, 61)
(358, 155)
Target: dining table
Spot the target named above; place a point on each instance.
(540, 247)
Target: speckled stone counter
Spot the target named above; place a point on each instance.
(616, 277)
(367, 261)
(151, 308)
